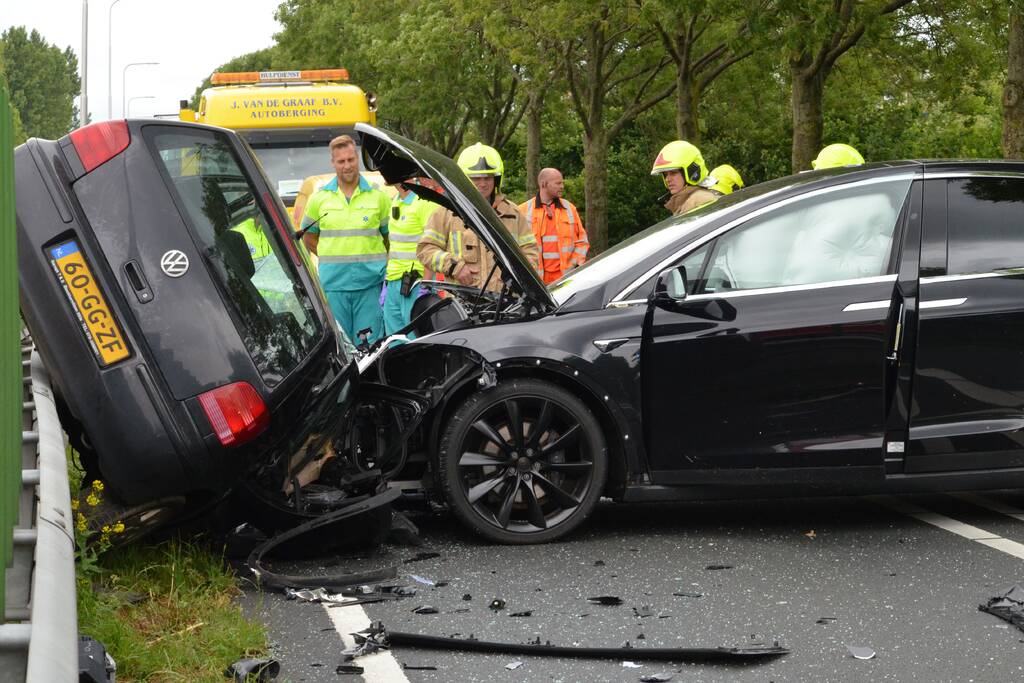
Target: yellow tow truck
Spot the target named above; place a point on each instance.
(288, 118)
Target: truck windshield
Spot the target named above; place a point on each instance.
(287, 165)
(242, 249)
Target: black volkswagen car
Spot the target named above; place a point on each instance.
(848, 330)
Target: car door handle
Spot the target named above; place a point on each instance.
(943, 303)
(867, 305)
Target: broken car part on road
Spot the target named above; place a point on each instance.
(381, 638)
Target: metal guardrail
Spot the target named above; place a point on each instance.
(10, 373)
(39, 642)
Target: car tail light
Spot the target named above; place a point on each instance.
(236, 412)
(100, 142)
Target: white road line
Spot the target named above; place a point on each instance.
(381, 667)
(951, 525)
(991, 504)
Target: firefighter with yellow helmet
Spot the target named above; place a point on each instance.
(682, 168)
(450, 248)
(726, 179)
(836, 155)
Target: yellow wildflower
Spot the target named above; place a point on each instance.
(106, 529)
(74, 503)
(92, 499)
(81, 524)
(97, 485)
(119, 528)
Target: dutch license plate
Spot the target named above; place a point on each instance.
(94, 315)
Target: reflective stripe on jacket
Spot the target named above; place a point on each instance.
(569, 245)
(404, 232)
(351, 248)
(448, 243)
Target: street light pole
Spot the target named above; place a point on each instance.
(83, 101)
(137, 97)
(110, 60)
(124, 74)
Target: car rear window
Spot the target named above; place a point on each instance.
(241, 248)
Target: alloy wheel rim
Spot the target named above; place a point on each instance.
(525, 464)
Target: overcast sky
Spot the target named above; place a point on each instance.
(189, 39)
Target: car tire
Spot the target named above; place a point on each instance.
(527, 485)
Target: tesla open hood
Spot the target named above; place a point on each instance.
(399, 159)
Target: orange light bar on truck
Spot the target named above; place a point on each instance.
(238, 77)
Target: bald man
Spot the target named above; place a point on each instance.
(557, 226)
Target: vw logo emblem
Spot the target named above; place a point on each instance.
(174, 263)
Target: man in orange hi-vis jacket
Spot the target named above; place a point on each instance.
(556, 225)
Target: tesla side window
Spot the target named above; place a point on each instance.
(840, 235)
(986, 224)
(239, 243)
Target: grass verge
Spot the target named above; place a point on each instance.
(165, 611)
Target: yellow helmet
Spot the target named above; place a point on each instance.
(680, 155)
(727, 179)
(837, 155)
(481, 160)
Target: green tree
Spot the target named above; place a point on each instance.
(1013, 90)
(703, 40)
(43, 81)
(819, 33)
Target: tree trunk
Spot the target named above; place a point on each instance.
(595, 189)
(687, 100)
(533, 123)
(1013, 91)
(808, 90)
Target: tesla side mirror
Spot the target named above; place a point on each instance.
(671, 286)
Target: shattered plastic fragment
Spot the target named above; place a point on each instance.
(643, 611)
(467, 597)
(526, 613)
(825, 620)
(348, 670)
(418, 557)
(811, 534)
(512, 666)
(422, 579)
(255, 670)
(599, 563)
(684, 594)
(314, 595)
(497, 604)
(1009, 606)
(656, 678)
(861, 652)
(717, 567)
(609, 600)
(631, 665)
(414, 667)
(425, 609)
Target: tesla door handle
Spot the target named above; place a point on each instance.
(867, 305)
(944, 303)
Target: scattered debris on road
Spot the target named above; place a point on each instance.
(718, 567)
(253, 670)
(512, 666)
(608, 600)
(1009, 606)
(497, 604)
(860, 652)
(656, 678)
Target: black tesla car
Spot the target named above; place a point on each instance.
(838, 331)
